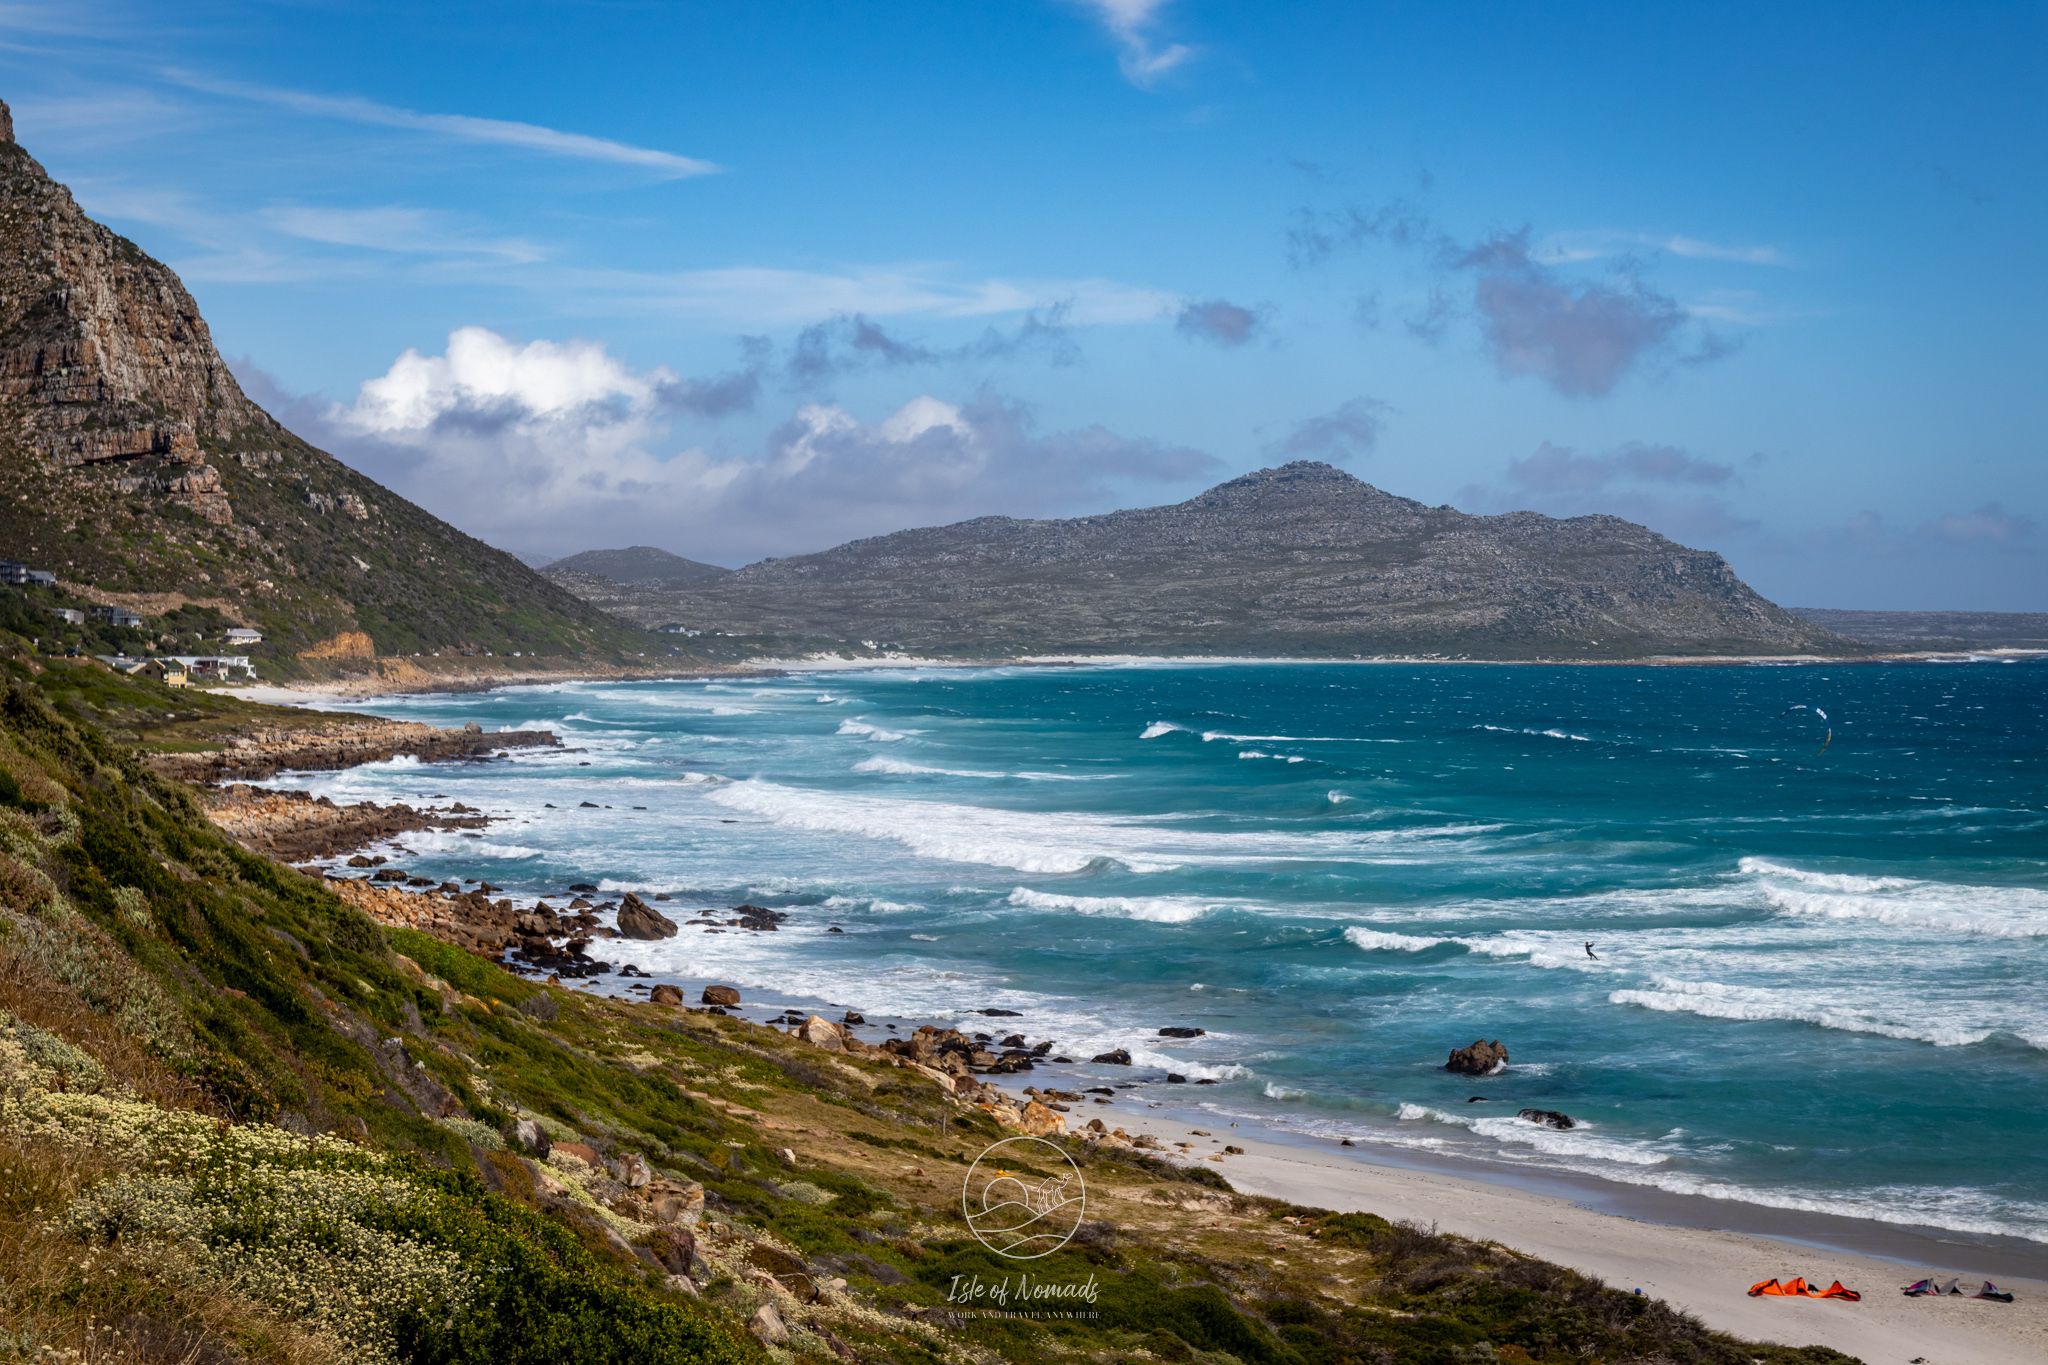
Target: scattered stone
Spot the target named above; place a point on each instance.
(531, 1137)
(583, 886)
(1173, 1079)
(1549, 1118)
(590, 805)
(637, 919)
(767, 1325)
(1002, 1014)
(1179, 1032)
(721, 995)
(666, 995)
(1233, 1151)
(680, 1202)
(854, 1017)
(1480, 1059)
(1116, 1058)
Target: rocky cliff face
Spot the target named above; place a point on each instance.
(107, 361)
(1303, 560)
(131, 462)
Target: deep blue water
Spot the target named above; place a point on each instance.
(1819, 982)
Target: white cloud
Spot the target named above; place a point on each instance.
(463, 127)
(1129, 22)
(553, 446)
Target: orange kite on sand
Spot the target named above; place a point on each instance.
(1797, 1288)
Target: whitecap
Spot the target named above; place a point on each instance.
(1160, 727)
(862, 730)
(1159, 909)
(1373, 939)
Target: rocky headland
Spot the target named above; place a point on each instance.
(1302, 561)
(258, 753)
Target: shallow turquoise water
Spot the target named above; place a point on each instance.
(1819, 981)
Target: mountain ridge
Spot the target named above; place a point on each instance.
(1303, 560)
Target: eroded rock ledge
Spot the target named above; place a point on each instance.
(294, 826)
(257, 754)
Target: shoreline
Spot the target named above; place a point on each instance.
(1703, 1271)
(368, 688)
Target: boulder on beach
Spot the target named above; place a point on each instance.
(665, 995)
(1480, 1059)
(1549, 1118)
(638, 919)
(721, 995)
(1116, 1058)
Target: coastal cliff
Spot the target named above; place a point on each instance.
(134, 467)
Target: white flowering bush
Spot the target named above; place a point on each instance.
(306, 1242)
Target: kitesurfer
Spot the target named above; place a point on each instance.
(1589, 951)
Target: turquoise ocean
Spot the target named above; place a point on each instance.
(1818, 980)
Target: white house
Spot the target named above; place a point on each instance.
(242, 635)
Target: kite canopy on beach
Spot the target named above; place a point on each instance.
(1798, 1288)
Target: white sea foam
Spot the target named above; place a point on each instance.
(1023, 841)
(880, 764)
(1182, 1066)
(1160, 727)
(1903, 902)
(862, 730)
(926, 938)
(1538, 734)
(1374, 940)
(1848, 1009)
(1159, 909)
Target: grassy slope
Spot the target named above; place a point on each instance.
(209, 980)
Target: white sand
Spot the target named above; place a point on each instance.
(1707, 1274)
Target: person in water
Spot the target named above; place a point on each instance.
(1589, 951)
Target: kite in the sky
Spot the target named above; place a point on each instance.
(1802, 706)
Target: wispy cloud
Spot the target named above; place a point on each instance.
(1218, 321)
(1562, 248)
(1130, 22)
(1990, 524)
(851, 345)
(396, 229)
(764, 296)
(1345, 432)
(462, 127)
(1559, 469)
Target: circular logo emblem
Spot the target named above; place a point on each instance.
(1023, 1198)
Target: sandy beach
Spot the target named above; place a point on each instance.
(1705, 1273)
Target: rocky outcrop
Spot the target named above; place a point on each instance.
(1480, 1059)
(721, 995)
(1549, 1118)
(258, 753)
(1303, 560)
(293, 826)
(639, 920)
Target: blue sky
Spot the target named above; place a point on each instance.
(745, 280)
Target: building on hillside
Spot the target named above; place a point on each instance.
(169, 672)
(69, 614)
(242, 635)
(21, 575)
(218, 667)
(118, 616)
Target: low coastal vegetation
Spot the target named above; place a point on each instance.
(242, 1120)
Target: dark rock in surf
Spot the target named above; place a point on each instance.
(1116, 1058)
(1480, 1059)
(1549, 1118)
(1178, 1032)
(637, 919)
